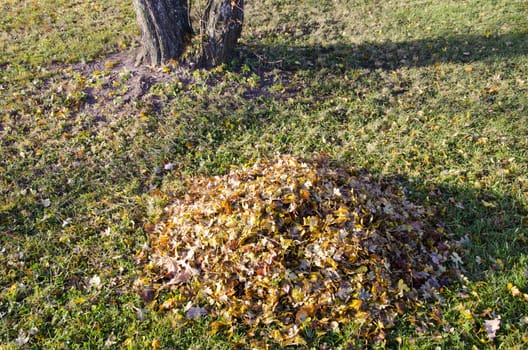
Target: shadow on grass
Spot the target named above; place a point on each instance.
(489, 224)
(492, 229)
(390, 55)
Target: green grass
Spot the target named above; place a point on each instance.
(432, 93)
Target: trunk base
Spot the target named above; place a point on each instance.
(167, 32)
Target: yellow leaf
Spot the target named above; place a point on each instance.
(466, 313)
(297, 295)
(294, 341)
(488, 204)
(79, 300)
(402, 288)
(12, 288)
(170, 303)
(155, 344)
(110, 64)
(513, 290)
(342, 215)
(481, 141)
(143, 116)
(493, 90)
(276, 335)
(342, 211)
(215, 326)
(289, 198)
(525, 337)
(356, 304)
(361, 316)
(330, 261)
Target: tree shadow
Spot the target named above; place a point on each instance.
(389, 55)
(491, 228)
(488, 224)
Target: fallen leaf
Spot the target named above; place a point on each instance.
(513, 290)
(22, 339)
(155, 344)
(94, 282)
(493, 90)
(492, 326)
(488, 204)
(305, 313)
(195, 312)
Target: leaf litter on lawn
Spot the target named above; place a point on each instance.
(292, 245)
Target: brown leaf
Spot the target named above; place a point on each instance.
(305, 312)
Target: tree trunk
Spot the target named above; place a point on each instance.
(165, 27)
(167, 32)
(221, 27)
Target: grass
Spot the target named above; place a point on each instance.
(434, 94)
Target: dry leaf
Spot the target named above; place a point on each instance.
(195, 312)
(94, 282)
(492, 326)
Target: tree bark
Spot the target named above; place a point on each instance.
(166, 29)
(221, 27)
(167, 32)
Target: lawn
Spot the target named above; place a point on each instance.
(430, 94)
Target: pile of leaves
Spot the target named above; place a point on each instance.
(296, 246)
